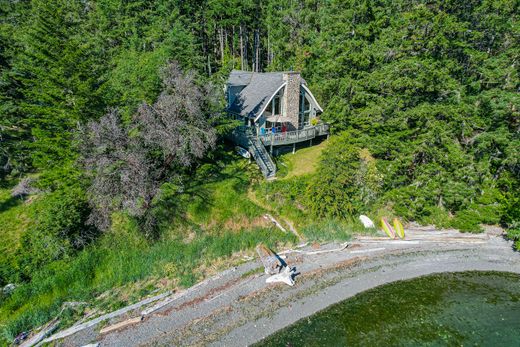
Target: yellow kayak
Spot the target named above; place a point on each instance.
(398, 227)
(387, 228)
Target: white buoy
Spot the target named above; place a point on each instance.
(367, 222)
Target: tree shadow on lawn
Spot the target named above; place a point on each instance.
(9, 203)
(223, 168)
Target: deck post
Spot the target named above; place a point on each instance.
(271, 149)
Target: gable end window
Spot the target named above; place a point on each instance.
(305, 110)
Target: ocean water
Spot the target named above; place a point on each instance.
(448, 309)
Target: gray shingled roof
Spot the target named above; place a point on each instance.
(259, 87)
(239, 78)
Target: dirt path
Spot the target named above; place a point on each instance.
(238, 308)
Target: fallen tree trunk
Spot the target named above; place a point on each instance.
(343, 246)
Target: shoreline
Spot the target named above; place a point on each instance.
(238, 308)
(423, 266)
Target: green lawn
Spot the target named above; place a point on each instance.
(303, 162)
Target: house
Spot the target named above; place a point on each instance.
(276, 109)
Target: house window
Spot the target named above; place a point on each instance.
(269, 108)
(276, 104)
(305, 110)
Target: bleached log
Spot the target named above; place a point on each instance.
(183, 293)
(360, 251)
(46, 330)
(286, 276)
(166, 301)
(343, 246)
(275, 222)
(420, 241)
(120, 325)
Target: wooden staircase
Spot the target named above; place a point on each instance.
(262, 158)
(257, 150)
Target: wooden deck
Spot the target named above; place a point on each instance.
(290, 137)
(283, 138)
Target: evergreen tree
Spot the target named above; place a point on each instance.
(57, 78)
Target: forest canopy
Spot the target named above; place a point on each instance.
(422, 98)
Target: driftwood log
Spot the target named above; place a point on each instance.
(273, 264)
(46, 330)
(275, 222)
(121, 325)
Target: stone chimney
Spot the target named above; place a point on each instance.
(291, 102)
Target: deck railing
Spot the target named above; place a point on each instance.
(290, 137)
(242, 133)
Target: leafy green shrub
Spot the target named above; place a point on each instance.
(514, 234)
(406, 202)
(512, 218)
(467, 221)
(59, 231)
(347, 182)
(488, 208)
(332, 191)
(437, 216)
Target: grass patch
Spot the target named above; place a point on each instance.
(224, 201)
(255, 271)
(514, 235)
(303, 162)
(16, 214)
(14, 217)
(334, 230)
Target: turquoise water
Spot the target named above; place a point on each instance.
(449, 309)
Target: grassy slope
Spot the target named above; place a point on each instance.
(281, 197)
(219, 224)
(304, 161)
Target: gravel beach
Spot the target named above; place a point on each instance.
(237, 307)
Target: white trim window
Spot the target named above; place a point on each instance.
(304, 117)
(275, 105)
